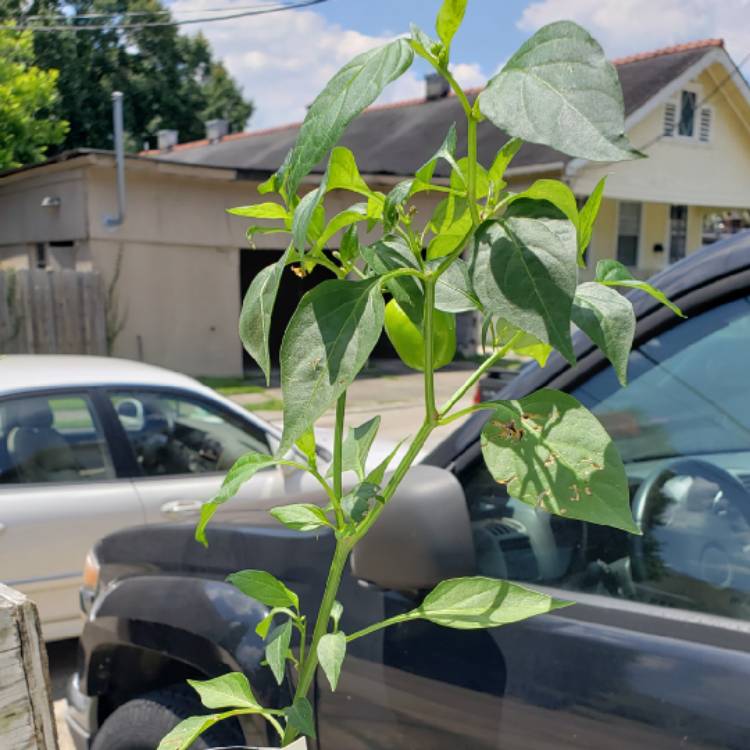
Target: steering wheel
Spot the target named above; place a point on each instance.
(651, 512)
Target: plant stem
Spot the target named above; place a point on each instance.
(477, 374)
(472, 176)
(338, 439)
(429, 365)
(307, 671)
(383, 624)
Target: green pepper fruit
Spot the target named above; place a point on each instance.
(408, 338)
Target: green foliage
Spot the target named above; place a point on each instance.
(28, 97)
(560, 90)
(264, 588)
(478, 602)
(521, 278)
(607, 318)
(228, 691)
(331, 653)
(169, 79)
(327, 342)
(553, 453)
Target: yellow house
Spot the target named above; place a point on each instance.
(178, 264)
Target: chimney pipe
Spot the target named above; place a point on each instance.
(119, 139)
(436, 87)
(216, 130)
(166, 139)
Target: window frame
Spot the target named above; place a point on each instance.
(639, 244)
(676, 101)
(131, 466)
(100, 422)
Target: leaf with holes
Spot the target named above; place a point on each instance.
(327, 342)
(607, 318)
(559, 89)
(523, 269)
(554, 454)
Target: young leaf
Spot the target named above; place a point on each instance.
(257, 309)
(451, 236)
(336, 611)
(350, 91)
(613, 273)
(349, 248)
(356, 446)
(502, 160)
(390, 254)
(453, 292)
(377, 475)
(526, 345)
(343, 173)
(554, 454)
(356, 503)
(586, 218)
(264, 588)
(331, 653)
(478, 602)
(607, 318)
(243, 469)
(231, 690)
(300, 516)
(523, 269)
(422, 44)
(300, 716)
(261, 211)
(187, 732)
(555, 192)
(327, 342)
(277, 647)
(306, 215)
(559, 89)
(449, 18)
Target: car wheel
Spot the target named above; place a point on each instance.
(141, 723)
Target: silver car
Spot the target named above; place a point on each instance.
(89, 445)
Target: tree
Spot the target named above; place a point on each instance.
(169, 80)
(27, 98)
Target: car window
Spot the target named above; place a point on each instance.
(174, 434)
(682, 426)
(52, 439)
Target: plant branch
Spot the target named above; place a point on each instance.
(395, 620)
(429, 363)
(338, 439)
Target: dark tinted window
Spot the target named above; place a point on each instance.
(682, 426)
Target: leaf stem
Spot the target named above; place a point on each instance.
(395, 620)
(472, 162)
(429, 364)
(338, 439)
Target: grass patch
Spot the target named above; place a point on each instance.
(232, 386)
(270, 404)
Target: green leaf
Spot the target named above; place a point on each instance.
(327, 342)
(331, 653)
(306, 443)
(453, 292)
(478, 602)
(555, 192)
(453, 230)
(356, 446)
(349, 248)
(277, 648)
(187, 732)
(343, 173)
(449, 19)
(228, 691)
(422, 44)
(257, 311)
(305, 215)
(559, 89)
(587, 217)
(377, 475)
(336, 611)
(613, 273)
(261, 211)
(300, 716)
(352, 215)
(350, 91)
(523, 269)
(554, 454)
(300, 516)
(502, 160)
(264, 588)
(243, 469)
(356, 503)
(389, 254)
(607, 318)
(526, 345)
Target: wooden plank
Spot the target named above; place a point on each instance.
(70, 340)
(26, 717)
(25, 297)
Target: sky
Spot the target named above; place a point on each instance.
(282, 60)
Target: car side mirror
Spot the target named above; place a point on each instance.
(422, 537)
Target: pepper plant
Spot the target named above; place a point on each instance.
(512, 258)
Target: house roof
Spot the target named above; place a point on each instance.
(396, 139)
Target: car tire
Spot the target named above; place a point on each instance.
(141, 723)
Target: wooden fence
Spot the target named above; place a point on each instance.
(52, 312)
(26, 718)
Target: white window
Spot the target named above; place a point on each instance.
(628, 232)
(686, 119)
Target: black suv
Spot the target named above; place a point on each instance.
(656, 654)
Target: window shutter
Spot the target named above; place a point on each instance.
(704, 130)
(670, 118)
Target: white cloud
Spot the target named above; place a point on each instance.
(468, 75)
(283, 60)
(628, 26)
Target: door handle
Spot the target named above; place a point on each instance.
(181, 507)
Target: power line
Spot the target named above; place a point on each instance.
(236, 13)
(719, 86)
